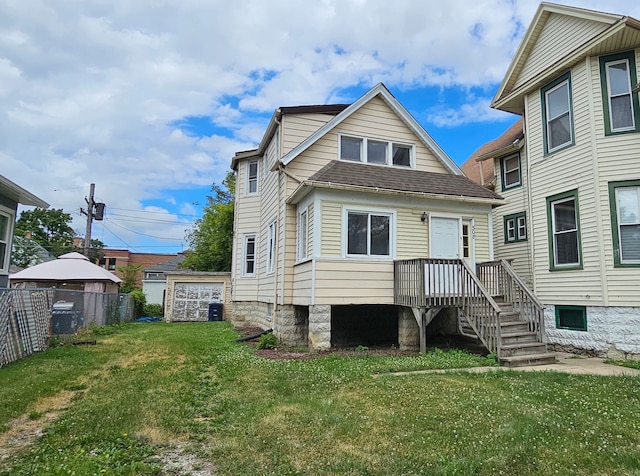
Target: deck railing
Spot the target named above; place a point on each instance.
(432, 282)
(499, 278)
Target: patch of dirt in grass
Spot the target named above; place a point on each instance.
(24, 430)
(177, 461)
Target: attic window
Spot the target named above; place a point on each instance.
(374, 151)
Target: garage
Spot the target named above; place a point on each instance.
(196, 296)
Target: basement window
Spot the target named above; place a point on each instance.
(573, 318)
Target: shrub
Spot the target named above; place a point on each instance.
(139, 301)
(152, 310)
(267, 341)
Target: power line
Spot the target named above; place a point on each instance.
(149, 220)
(144, 234)
(157, 213)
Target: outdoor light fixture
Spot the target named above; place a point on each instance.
(423, 217)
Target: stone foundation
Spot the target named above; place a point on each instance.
(612, 332)
(250, 313)
(319, 327)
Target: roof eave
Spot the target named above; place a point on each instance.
(308, 186)
(20, 195)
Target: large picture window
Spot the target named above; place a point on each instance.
(368, 234)
(624, 198)
(620, 105)
(358, 149)
(564, 231)
(557, 114)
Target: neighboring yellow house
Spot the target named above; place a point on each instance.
(572, 183)
(334, 199)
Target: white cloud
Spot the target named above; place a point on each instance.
(92, 91)
(477, 111)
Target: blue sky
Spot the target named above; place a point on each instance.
(150, 100)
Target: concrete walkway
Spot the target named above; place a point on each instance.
(568, 363)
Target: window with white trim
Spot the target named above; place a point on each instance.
(510, 168)
(249, 255)
(375, 151)
(271, 246)
(252, 177)
(620, 105)
(625, 221)
(368, 233)
(5, 250)
(515, 227)
(564, 231)
(557, 114)
(303, 234)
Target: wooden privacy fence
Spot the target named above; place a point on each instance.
(28, 317)
(25, 317)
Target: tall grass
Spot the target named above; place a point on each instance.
(151, 387)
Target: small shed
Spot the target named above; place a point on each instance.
(193, 295)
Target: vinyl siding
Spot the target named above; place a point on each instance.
(302, 283)
(353, 282)
(618, 159)
(516, 202)
(568, 169)
(560, 35)
(331, 233)
(297, 127)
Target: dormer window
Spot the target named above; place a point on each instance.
(374, 151)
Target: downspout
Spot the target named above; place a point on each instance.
(532, 248)
(278, 227)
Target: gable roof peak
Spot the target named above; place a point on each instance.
(381, 91)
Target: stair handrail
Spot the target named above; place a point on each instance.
(538, 308)
(493, 316)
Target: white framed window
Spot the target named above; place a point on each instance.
(557, 114)
(510, 167)
(620, 106)
(376, 151)
(271, 246)
(368, 233)
(564, 231)
(303, 234)
(249, 255)
(6, 224)
(252, 177)
(625, 221)
(515, 227)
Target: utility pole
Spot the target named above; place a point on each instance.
(90, 205)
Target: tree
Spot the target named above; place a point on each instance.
(95, 250)
(48, 228)
(129, 275)
(211, 238)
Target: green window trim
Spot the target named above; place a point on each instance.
(565, 196)
(615, 228)
(567, 313)
(503, 172)
(517, 222)
(543, 98)
(604, 60)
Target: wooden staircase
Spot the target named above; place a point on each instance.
(519, 345)
(493, 304)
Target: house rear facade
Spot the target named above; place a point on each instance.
(330, 201)
(571, 182)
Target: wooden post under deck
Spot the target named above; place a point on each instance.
(423, 317)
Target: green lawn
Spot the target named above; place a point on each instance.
(160, 398)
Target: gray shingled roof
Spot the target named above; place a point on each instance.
(169, 265)
(339, 172)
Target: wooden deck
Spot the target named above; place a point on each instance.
(427, 285)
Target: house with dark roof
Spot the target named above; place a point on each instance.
(154, 280)
(353, 227)
(11, 194)
(571, 180)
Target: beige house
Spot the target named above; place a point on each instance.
(352, 226)
(571, 224)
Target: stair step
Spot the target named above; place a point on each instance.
(525, 348)
(509, 338)
(527, 360)
(511, 327)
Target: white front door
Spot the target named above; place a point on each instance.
(444, 242)
(444, 236)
